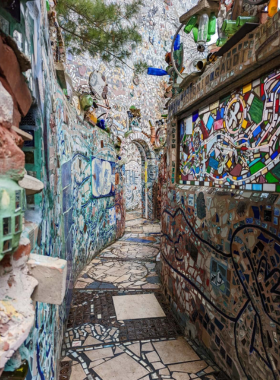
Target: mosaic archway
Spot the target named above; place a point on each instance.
(133, 180)
(149, 171)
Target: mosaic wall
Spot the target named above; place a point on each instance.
(81, 209)
(234, 142)
(157, 21)
(133, 182)
(220, 266)
(255, 51)
(220, 222)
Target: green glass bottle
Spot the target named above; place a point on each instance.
(195, 33)
(18, 374)
(190, 24)
(86, 101)
(208, 37)
(241, 20)
(229, 27)
(221, 41)
(212, 24)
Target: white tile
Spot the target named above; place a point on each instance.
(175, 351)
(137, 307)
(135, 348)
(147, 347)
(100, 353)
(91, 340)
(122, 367)
(191, 367)
(77, 372)
(180, 376)
(152, 357)
(157, 365)
(96, 363)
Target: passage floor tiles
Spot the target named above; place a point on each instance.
(120, 325)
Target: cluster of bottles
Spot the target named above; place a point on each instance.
(162, 72)
(202, 27)
(230, 27)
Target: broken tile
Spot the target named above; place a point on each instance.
(122, 367)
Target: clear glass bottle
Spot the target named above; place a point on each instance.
(203, 28)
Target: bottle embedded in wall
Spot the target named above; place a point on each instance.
(203, 29)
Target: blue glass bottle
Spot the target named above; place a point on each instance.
(177, 43)
(101, 123)
(156, 72)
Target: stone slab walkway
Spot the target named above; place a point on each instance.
(120, 325)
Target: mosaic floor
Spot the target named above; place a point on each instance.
(120, 326)
(131, 215)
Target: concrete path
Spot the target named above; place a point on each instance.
(120, 325)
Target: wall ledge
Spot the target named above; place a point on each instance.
(50, 272)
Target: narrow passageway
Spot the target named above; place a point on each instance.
(139, 189)
(120, 325)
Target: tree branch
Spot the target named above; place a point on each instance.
(87, 18)
(91, 43)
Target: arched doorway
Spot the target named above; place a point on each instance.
(149, 170)
(133, 180)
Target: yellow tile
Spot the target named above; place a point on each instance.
(229, 163)
(266, 156)
(247, 88)
(244, 124)
(264, 171)
(235, 178)
(214, 105)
